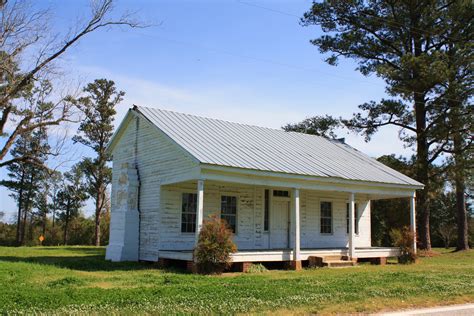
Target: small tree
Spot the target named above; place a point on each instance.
(403, 238)
(447, 232)
(71, 198)
(214, 246)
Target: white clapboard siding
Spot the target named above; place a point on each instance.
(157, 158)
(171, 237)
(250, 217)
(311, 236)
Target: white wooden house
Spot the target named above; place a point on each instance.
(286, 195)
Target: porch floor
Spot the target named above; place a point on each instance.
(262, 255)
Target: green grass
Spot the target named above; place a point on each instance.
(79, 280)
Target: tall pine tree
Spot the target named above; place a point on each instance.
(405, 43)
(96, 131)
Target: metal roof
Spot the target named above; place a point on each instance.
(223, 143)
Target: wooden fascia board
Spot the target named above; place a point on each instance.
(288, 176)
(356, 188)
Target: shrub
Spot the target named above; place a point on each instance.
(214, 246)
(256, 268)
(403, 238)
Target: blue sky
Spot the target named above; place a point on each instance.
(244, 61)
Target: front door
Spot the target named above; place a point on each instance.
(280, 224)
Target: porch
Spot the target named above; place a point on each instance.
(268, 255)
(275, 221)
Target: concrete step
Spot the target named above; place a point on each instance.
(339, 263)
(331, 261)
(331, 258)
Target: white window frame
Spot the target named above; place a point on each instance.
(321, 217)
(181, 213)
(237, 197)
(268, 204)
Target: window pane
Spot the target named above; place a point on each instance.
(266, 215)
(326, 217)
(229, 210)
(347, 218)
(188, 212)
(281, 193)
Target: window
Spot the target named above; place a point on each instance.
(326, 217)
(229, 210)
(281, 193)
(356, 219)
(188, 212)
(266, 215)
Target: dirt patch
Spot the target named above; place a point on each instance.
(428, 254)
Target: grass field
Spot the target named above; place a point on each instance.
(78, 279)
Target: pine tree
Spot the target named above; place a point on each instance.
(96, 131)
(405, 43)
(26, 176)
(71, 198)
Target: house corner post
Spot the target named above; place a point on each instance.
(297, 230)
(352, 253)
(413, 219)
(199, 208)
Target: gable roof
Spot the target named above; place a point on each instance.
(223, 143)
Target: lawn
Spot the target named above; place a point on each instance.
(78, 279)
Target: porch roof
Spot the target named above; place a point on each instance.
(215, 142)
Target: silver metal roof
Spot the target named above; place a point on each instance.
(224, 143)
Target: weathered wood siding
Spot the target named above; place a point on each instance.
(249, 200)
(311, 236)
(250, 217)
(157, 158)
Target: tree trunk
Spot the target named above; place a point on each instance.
(422, 150)
(459, 178)
(31, 227)
(422, 173)
(45, 218)
(23, 226)
(18, 220)
(99, 201)
(20, 209)
(66, 224)
(53, 211)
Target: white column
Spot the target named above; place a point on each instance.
(351, 225)
(413, 218)
(200, 207)
(296, 218)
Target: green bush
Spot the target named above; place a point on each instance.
(256, 268)
(214, 246)
(403, 238)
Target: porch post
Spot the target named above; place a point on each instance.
(296, 262)
(351, 225)
(413, 219)
(296, 202)
(200, 207)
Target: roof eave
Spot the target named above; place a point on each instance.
(329, 180)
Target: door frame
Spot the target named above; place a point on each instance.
(272, 208)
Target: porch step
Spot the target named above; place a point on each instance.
(331, 261)
(339, 263)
